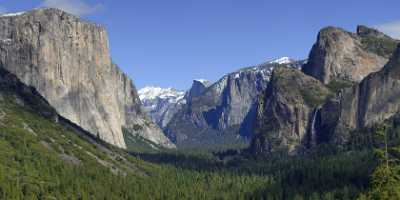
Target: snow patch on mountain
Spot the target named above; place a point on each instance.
(282, 60)
(265, 69)
(151, 92)
(161, 103)
(12, 14)
(203, 81)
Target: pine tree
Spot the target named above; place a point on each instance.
(386, 177)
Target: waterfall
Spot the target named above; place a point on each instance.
(313, 122)
(313, 127)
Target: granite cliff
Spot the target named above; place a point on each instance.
(374, 100)
(67, 60)
(339, 55)
(350, 82)
(286, 111)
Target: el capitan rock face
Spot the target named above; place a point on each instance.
(341, 55)
(67, 60)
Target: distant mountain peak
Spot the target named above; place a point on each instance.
(201, 80)
(161, 103)
(152, 92)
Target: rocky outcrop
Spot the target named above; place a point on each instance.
(358, 93)
(197, 88)
(67, 60)
(339, 55)
(287, 112)
(375, 99)
(226, 109)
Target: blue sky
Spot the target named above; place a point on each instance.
(170, 42)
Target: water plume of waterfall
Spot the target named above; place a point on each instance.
(313, 129)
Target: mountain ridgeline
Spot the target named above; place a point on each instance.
(347, 83)
(294, 106)
(217, 114)
(67, 61)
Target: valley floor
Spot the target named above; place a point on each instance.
(41, 159)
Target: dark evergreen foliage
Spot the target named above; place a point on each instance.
(40, 159)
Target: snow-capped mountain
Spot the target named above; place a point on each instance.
(161, 103)
(203, 81)
(173, 95)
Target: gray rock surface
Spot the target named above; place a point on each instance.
(67, 60)
(375, 99)
(342, 55)
(361, 89)
(197, 88)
